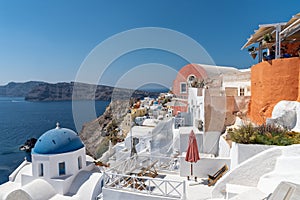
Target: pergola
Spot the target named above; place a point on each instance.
(286, 31)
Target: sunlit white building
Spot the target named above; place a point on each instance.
(60, 169)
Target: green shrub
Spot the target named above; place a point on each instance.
(264, 134)
(245, 134)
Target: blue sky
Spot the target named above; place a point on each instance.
(48, 40)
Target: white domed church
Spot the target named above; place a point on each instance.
(60, 169)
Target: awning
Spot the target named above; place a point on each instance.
(259, 34)
(292, 27)
(289, 30)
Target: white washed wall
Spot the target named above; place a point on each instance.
(224, 148)
(242, 152)
(113, 194)
(202, 167)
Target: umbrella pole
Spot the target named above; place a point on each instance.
(191, 169)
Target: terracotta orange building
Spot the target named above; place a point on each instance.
(278, 78)
(271, 82)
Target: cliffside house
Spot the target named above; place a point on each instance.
(277, 79)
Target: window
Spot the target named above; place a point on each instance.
(183, 88)
(41, 169)
(79, 162)
(61, 168)
(192, 80)
(242, 91)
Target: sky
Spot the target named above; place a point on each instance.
(50, 40)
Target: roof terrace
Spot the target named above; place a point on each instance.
(281, 40)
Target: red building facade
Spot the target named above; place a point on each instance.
(185, 76)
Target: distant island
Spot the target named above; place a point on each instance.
(14, 89)
(42, 91)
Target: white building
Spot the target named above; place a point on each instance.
(143, 135)
(60, 169)
(237, 84)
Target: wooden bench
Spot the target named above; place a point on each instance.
(212, 179)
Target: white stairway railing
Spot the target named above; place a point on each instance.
(146, 185)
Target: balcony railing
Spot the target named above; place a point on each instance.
(136, 162)
(146, 185)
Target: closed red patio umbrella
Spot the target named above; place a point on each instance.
(192, 154)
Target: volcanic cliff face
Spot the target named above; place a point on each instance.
(95, 134)
(271, 82)
(82, 91)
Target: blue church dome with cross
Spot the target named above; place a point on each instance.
(58, 140)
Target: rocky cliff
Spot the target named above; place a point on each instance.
(96, 134)
(66, 91)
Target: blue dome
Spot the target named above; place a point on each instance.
(58, 140)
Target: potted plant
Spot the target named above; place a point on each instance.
(252, 52)
(267, 40)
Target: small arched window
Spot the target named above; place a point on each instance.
(191, 78)
(192, 81)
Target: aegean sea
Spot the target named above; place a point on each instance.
(21, 120)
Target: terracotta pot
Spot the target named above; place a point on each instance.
(253, 55)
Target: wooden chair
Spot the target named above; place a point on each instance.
(139, 183)
(149, 171)
(212, 179)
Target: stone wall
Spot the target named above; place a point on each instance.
(220, 111)
(271, 82)
(214, 111)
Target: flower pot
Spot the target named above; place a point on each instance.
(253, 55)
